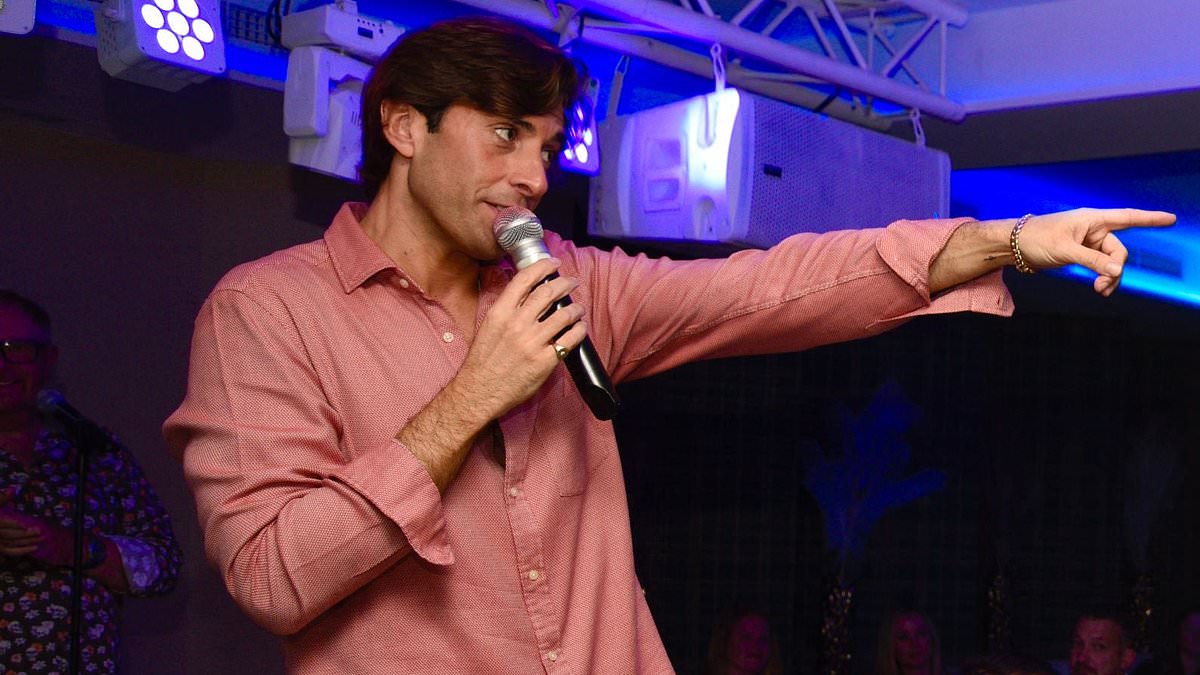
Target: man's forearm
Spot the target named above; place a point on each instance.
(441, 435)
(974, 249)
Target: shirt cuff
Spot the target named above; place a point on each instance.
(140, 560)
(909, 247)
(399, 485)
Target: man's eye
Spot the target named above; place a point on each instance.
(547, 157)
(506, 134)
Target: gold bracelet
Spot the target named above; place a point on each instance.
(1014, 242)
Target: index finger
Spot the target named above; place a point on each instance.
(525, 280)
(1122, 219)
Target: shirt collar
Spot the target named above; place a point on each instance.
(354, 255)
(356, 258)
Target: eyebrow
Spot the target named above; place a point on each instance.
(559, 139)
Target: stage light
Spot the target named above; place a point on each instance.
(332, 49)
(321, 116)
(167, 44)
(17, 16)
(582, 152)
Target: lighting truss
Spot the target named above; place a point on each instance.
(838, 56)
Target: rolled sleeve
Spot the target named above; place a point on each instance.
(293, 519)
(398, 484)
(909, 248)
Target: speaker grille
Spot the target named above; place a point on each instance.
(815, 174)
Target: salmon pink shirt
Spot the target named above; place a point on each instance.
(329, 532)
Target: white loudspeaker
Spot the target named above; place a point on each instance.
(17, 16)
(736, 169)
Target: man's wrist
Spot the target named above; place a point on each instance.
(974, 249)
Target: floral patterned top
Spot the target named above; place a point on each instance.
(35, 598)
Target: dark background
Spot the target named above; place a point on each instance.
(121, 206)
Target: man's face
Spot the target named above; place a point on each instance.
(1097, 649)
(913, 642)
(750, 644)
(21, 382)
(474, 165)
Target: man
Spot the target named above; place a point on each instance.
(390, 467)
(129, 547)
(1102, 645)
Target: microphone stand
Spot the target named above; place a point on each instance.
(83, 443)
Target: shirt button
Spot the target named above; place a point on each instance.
(551, 656)
(404, 283)
(447, 337)
(513, 492)
(533, 576)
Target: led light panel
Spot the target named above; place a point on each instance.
(167, 44)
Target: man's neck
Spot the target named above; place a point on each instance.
(408, 236)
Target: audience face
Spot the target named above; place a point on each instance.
(749, 644)
(1098, 649)
(21, 382)
(912, 642)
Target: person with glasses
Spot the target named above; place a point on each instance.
(129, 548)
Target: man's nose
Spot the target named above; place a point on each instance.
(529, 176)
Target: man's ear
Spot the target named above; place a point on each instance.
(399, 122)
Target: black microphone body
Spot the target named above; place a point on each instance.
(87, 434)
(519, 233)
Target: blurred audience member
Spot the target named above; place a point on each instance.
(908, 645)
(743, 644)
(1102, 644)
(1183, 657)
(128, 546)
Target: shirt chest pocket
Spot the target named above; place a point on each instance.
(570, 437)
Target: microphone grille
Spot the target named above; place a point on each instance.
(515, 224)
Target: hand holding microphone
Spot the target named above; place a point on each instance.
(519, 233)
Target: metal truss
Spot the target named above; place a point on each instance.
(838, 56)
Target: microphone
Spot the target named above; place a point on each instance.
(519, 233)
(87, 434)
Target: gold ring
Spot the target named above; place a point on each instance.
(560, 350)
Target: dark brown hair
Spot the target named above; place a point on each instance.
(491, 65)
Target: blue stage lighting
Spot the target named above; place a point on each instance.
(582, 151)
(167, 44)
